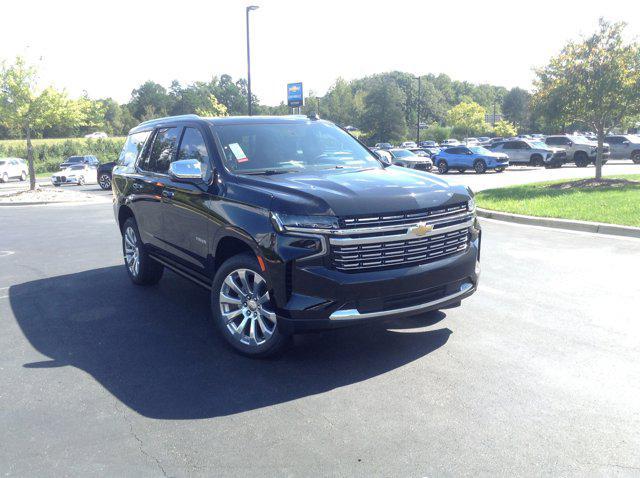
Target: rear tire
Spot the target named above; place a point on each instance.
(23, 176)
(105, 181)
(243, 310)
(5, 178)
(142, 269)
(635, 157)
(443, 167)
(480, 166)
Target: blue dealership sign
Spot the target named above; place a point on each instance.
(294, 94)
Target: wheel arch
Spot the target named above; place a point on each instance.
(124, 213)
(231, 242)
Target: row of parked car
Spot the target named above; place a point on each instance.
(481, 154)
(85, 169)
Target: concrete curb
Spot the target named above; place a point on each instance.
(572, 225)
(63, 203)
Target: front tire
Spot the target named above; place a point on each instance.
(23, 176)
(5, 178)
(536, 160)
(635, 157)
(480, 166)
(243, 310)
(581, 159)
(142, 269)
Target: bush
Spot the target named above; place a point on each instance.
(49, 153)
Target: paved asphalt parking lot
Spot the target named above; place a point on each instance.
(536, 374)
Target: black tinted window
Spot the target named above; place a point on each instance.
(614, 139)
(192, 146)
(132, 148)
(552, 141)
(162, 150)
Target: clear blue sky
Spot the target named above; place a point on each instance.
(109, 48)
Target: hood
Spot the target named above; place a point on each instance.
(495, 155)
(354, 192)
(417, 159)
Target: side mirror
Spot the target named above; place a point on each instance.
(570, 143)
(186, 169)
(382, 157)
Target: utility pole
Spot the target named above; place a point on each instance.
(248, 9)
(418, 108)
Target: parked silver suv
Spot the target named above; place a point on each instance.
(534, 153)
(580, 150)
(624, 147)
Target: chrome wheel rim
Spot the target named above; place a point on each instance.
(105, 182)
(131, 251)
(246, 309)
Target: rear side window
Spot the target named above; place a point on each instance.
(132, 148)
(162, 150)
(552, 141)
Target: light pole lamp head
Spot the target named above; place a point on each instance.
(252, 7)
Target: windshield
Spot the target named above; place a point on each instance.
(286, 147)
(76, 168)
(479, 150)
(402, 153)
(577, 138)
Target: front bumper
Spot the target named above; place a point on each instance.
(498, 164)
(58, 180)
(321, 297)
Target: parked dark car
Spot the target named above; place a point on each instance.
(104, 174)
(291, 224)
(73, 160)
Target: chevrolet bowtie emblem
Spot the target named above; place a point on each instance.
(421, 229)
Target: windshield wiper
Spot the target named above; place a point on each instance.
(269, 172)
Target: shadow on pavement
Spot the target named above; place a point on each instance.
(156, 350)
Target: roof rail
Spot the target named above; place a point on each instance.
(178, 117)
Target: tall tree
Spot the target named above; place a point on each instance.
(383, 118)
(515, 107)
(468, 117)
(595, 81)
(27, 109)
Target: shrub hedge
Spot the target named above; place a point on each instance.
(49, 153)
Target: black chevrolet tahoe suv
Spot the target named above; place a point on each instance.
(292, 224)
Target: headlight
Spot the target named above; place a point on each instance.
(471, 205)
(285, 222)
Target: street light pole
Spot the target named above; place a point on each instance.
(249, 8)
(418, 108)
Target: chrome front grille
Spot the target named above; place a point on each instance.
(400, 253)
(402, 219)
(391, 241)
